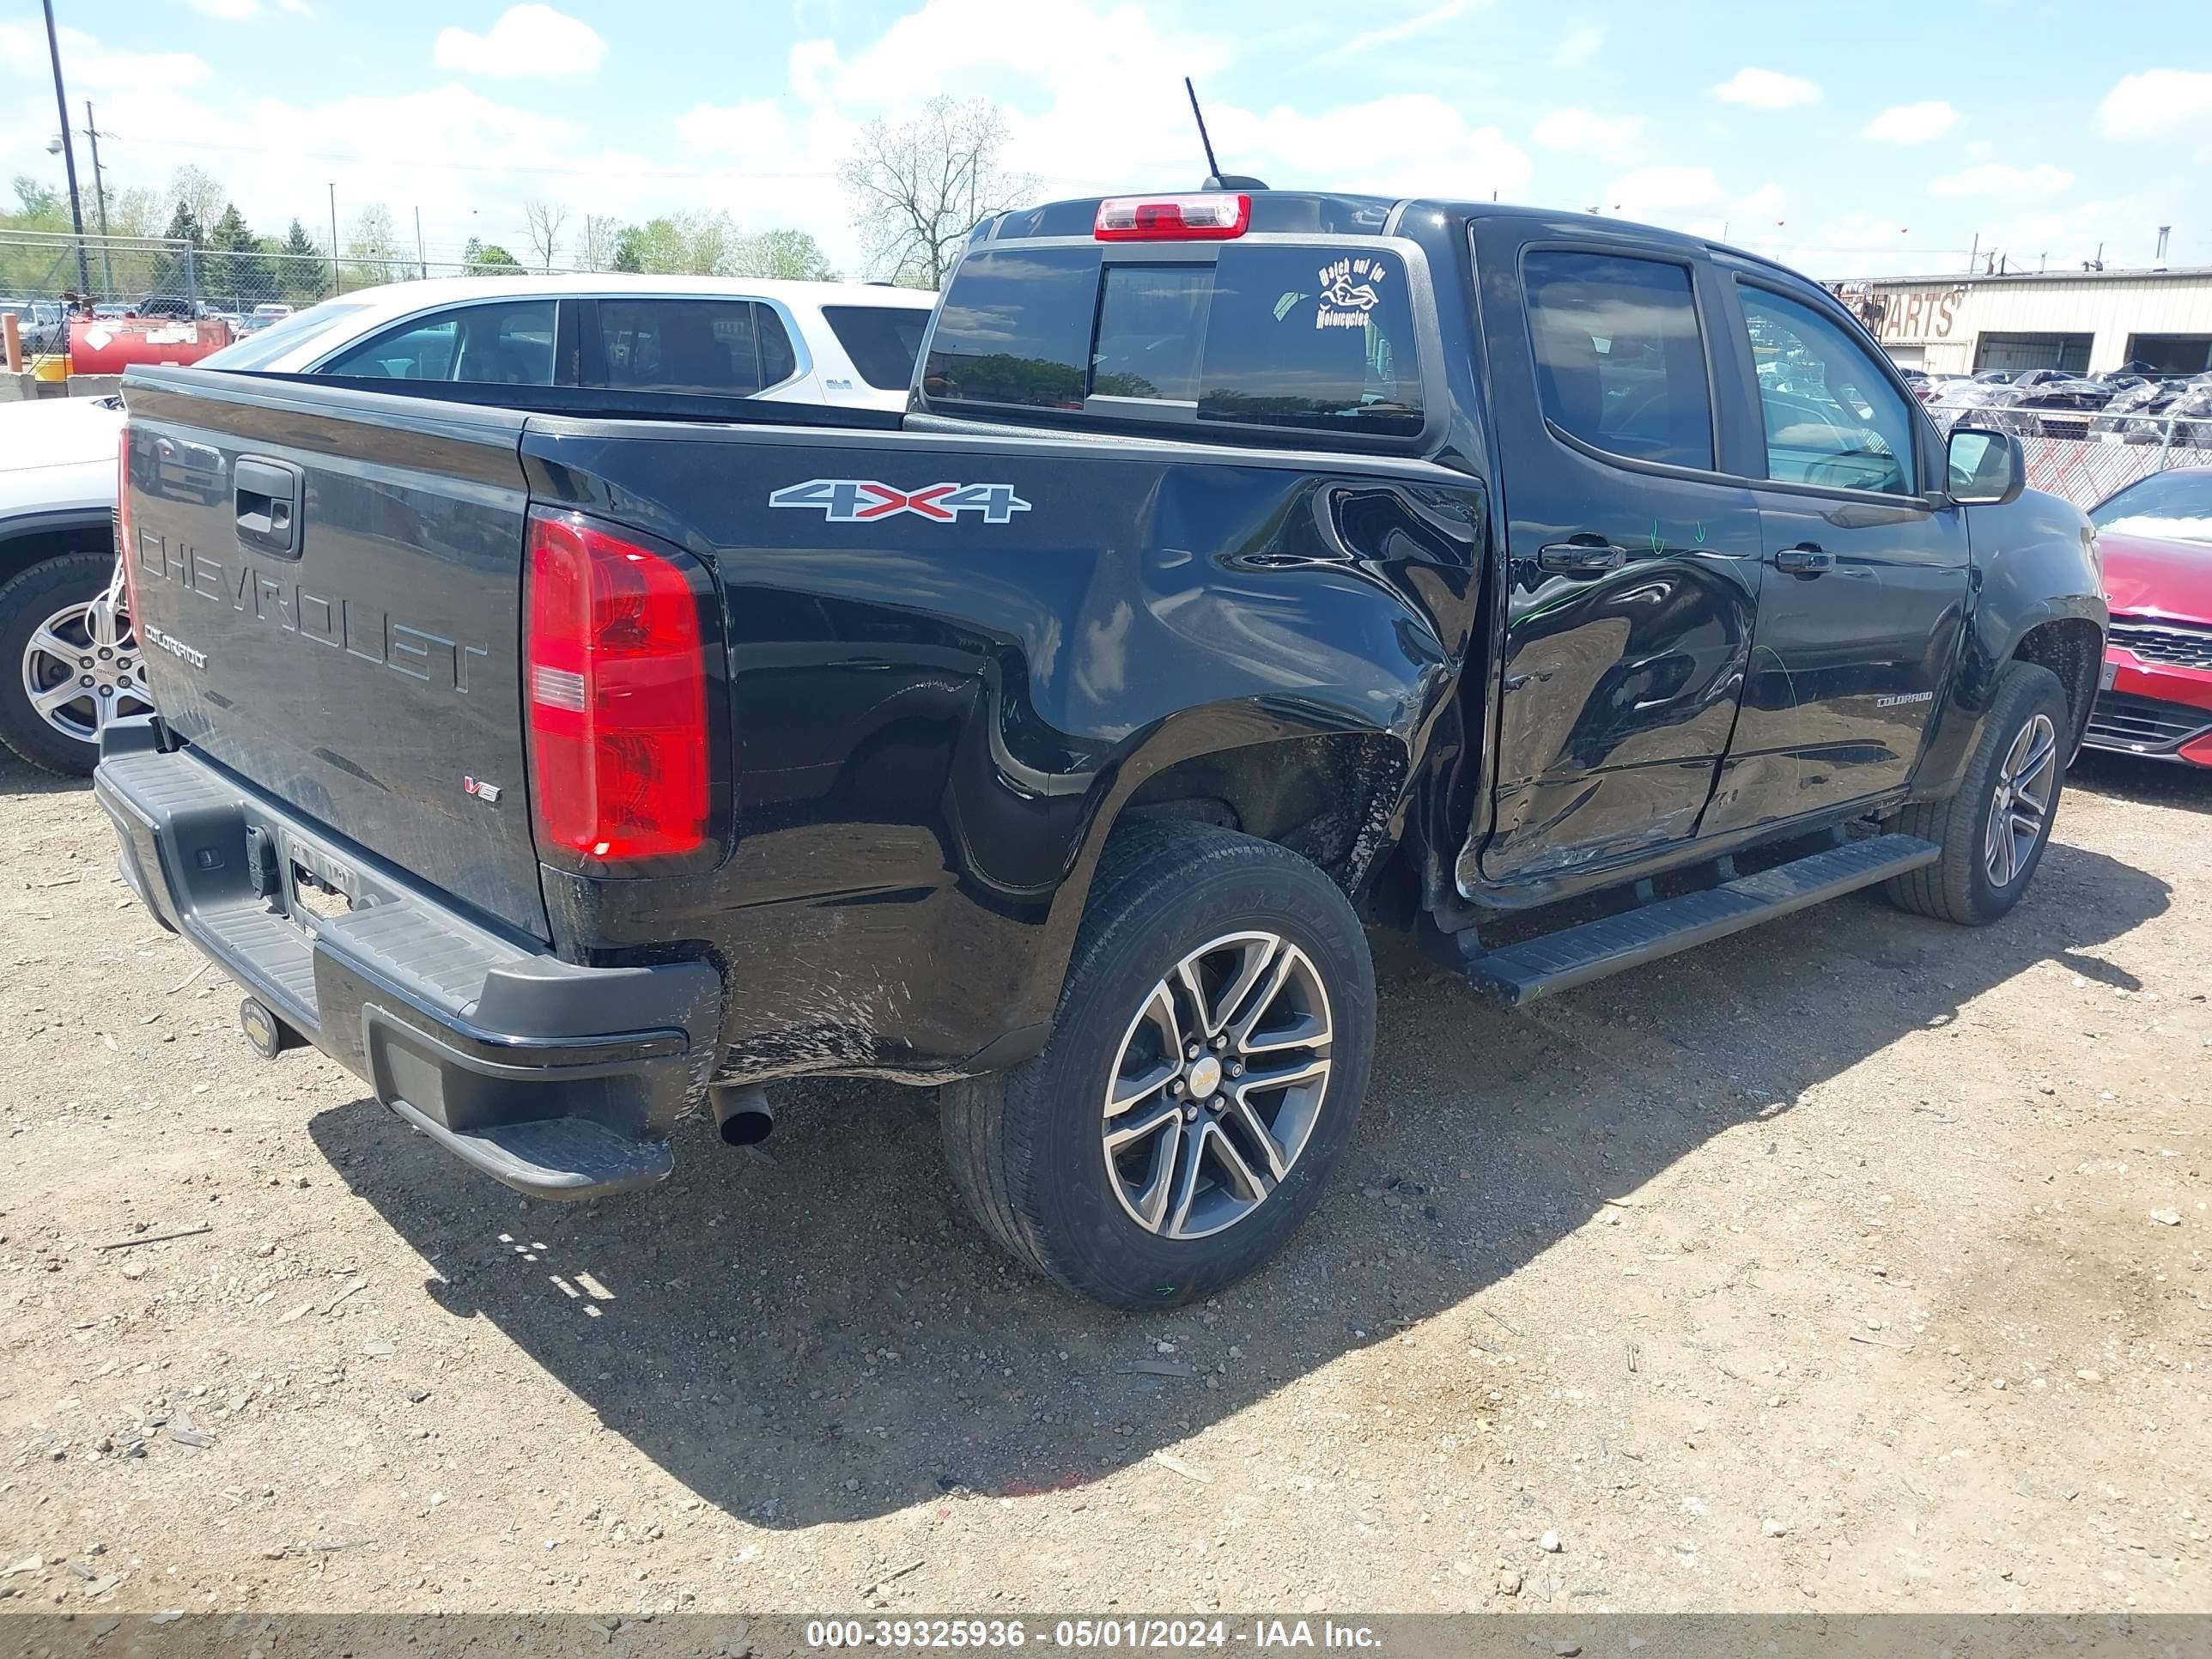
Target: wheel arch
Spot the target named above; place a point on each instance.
(34, 538)
(1334, 793)
(2073, 648)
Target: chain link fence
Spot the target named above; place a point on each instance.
(41, 277)
(2085, 455)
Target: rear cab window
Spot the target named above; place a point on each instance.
(1315, 337)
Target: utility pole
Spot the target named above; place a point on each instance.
(99, 201)
(336, 282)
(69, 153)
(421, 260)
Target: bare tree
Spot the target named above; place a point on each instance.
(920, 185)
(546, 219)
(595, 247)
(197, 194)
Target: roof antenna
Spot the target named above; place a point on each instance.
(1215, 179)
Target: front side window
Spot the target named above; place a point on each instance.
(1832, 418)
(501, 344)
(1620, 362)
(717, 348)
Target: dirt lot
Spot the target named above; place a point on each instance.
(1853, 1264)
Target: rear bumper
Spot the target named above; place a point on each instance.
(2157, 710)
(562, 1081)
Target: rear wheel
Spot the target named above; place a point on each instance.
(1211, 1049)
(69, 661)
(1994, 830)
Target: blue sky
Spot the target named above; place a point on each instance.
(1868, 139)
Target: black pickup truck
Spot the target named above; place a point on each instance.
(1248, 569)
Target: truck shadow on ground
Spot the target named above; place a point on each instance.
(819, 1336)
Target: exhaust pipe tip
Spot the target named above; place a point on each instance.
(742, 1115)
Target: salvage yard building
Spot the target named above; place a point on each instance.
(2082, 321)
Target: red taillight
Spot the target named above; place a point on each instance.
(616, 688)
(124, 552)
(1209, 218)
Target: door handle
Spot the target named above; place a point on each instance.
(265, 502)
(1579, 558)
(1804, 559)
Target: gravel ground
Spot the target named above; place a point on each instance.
(1854, 1264)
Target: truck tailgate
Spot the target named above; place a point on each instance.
(329, 589)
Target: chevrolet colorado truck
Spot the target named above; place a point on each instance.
(1248, 569)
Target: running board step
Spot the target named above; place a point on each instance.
(1519, 973)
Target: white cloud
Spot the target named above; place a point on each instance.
(1617, 138)
(1654, 190)
(2001, 179)
(1766, 89)
(1765, 203)
(1578, 46)
(230, 11)
(527, 40)
(2156, 101)
(1406, 144)
(93, 67)
(1420, 24)
(1912, 124)
(755, 127)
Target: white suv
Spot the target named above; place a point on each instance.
(68, 664)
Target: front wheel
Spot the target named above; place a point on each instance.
(1994, 830)
(1207, 1062)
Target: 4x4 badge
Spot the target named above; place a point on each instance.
(853, 500)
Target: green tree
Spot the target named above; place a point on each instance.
(303, 268)
(234, 270)
(688, 244)
(39, 201)
(786, 255)
(489, 259)
(185, 227)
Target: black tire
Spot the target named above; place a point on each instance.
(26, 603)
(1959, 886)
(1025, 1145)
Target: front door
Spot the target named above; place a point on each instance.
(1866, 583)
(1634, 562)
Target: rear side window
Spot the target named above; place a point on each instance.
(1016, 329)
(883, 340)
(1265, 334)
(499, 344)
(1620, 363)
(720, 348)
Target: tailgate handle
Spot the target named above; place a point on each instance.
(267, 495)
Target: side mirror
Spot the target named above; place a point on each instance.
(1985, 468)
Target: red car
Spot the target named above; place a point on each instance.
(2156, 535)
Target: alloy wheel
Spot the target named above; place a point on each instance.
(82, 669)
(2021, 810)
(1220, 1078)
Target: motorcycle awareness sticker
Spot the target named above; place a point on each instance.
(1347, 292)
